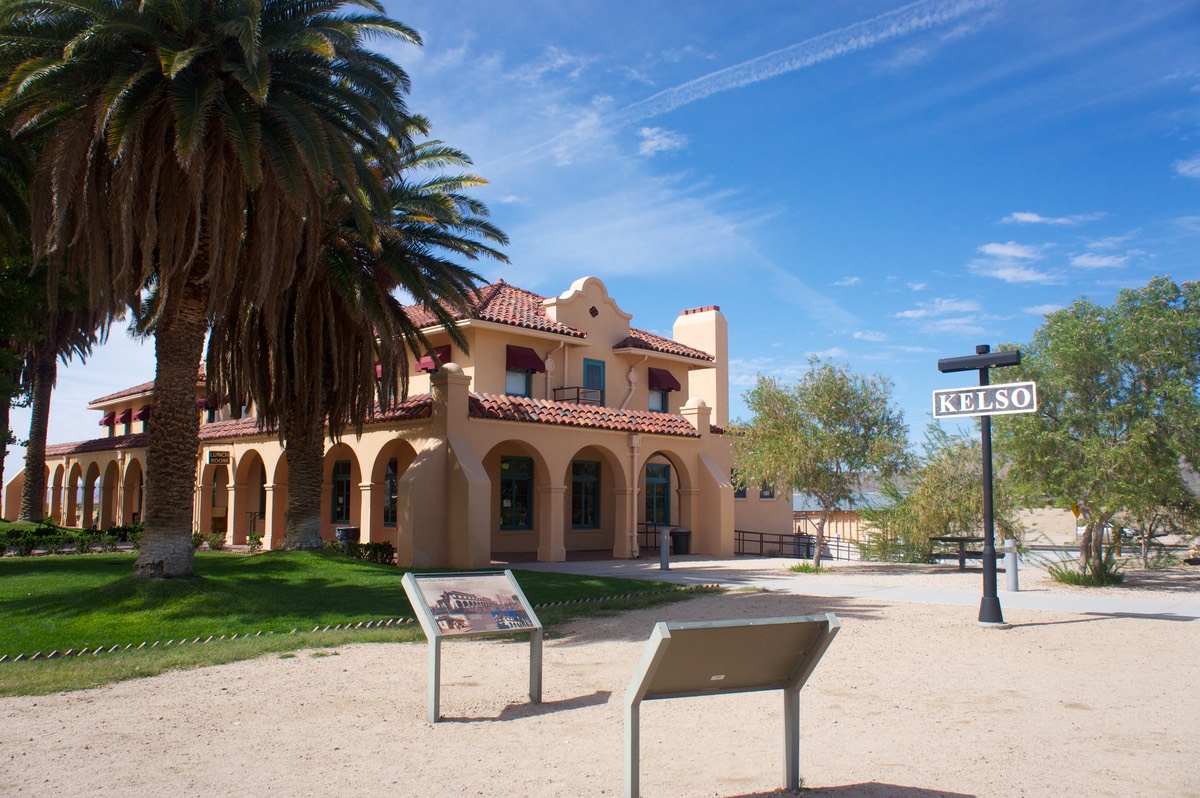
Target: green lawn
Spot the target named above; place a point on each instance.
(69, 602)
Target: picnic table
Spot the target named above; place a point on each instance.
(963, 554)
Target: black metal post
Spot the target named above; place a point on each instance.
(989, 605)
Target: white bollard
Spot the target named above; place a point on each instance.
(1010, 566)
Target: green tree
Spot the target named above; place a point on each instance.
(70, 329)
(1118, 409)
(192, 142)
(308, 360)
(821, 436)
(941, 495)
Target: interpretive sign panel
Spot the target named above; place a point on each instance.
(985, 400)
(472, 604)
(717, 657)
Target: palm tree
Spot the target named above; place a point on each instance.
(71, 329)
(309, 362)
(191, 143)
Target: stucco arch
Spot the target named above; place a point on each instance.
(250, 497)
(680, 489)
(601, 527)
(91, 493)
(214, 499)
(74, 503)
(340, 509)
(109, 495)
(531, 530)
(55, 510)
(134, 491)
(381, 509)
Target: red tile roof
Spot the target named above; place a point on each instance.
(640, 339)
(145, 387)
(506, 304)
(503, 304)
(135, 441)
(411, 409)
(567, 414)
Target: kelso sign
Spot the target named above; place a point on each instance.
(985, 400)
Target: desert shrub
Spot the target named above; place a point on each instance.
(197, 539)
(254, 543)
(806, 568)
(1068, 572)
(215, 540)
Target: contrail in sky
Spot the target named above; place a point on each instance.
(895, 24)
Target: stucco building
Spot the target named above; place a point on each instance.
(564, 429)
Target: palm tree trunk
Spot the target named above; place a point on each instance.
(166, 549)
(5, 434)
(33, 494)
(305, 448)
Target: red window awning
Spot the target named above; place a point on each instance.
(438, 358)
(522, 358)
(142, 414)
(378, 370)
(108, 419)
(663, 380)
(126, 416)
(209, 402)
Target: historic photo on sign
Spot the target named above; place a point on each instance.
(473, 604)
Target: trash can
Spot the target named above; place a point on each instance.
(346, 535)
(681, 540)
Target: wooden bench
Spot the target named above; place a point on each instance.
(963, 556)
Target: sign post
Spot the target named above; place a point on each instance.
(985, 402)
(472, 605)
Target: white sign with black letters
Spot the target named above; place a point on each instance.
(985, 400)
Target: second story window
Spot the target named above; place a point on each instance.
(593, 378)
(660, 401)
(521, 363)
(518, 383)
(766, 491)
(661, 382)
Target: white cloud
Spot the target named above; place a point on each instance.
(870, 335)
(939, 307)
(847, 281)
(1189, 167)
(1090, 260)
(1041, 310)
(1011, 272)
(918, 286)
(657, 139)
(831, 353)
(1111, 242)
(1028, 217)
(958, 325)
(554, 60)
(1012, 250)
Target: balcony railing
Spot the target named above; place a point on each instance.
(579, 396)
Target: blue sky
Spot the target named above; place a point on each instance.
(879, 183)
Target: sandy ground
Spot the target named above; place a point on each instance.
(911, 700)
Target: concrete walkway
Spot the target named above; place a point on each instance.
(770, 574)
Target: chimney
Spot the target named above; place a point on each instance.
(706, 329)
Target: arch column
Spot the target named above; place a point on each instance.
(551, 523)
(366, 510)
(623, 521)
(274, 520)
